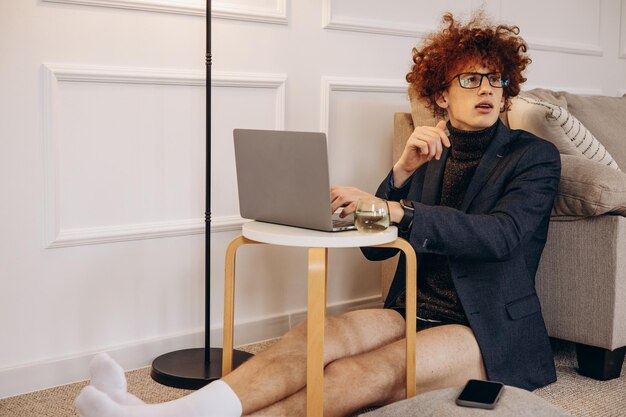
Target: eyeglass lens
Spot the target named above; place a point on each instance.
(475, 79)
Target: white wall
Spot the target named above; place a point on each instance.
(102, 158)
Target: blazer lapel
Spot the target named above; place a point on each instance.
(491, 158)
(431, 193)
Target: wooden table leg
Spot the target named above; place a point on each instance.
(316, 316)
(229, 302)
(411, 306)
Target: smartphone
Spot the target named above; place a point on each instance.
(480, 394)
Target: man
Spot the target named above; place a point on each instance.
(474, 202)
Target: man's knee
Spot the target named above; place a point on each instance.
(385, 322)
(353, 332)
(337, 335)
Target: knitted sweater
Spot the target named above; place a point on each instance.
(438, 299)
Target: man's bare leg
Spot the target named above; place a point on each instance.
(280, 371)
(447, 356)
(276, 373)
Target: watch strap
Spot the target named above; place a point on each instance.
(407, 217)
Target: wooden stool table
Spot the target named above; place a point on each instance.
(318, 244)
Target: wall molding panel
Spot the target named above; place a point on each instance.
(123, 75)
(227, 224)
(220, 9)
(559, 41)
(378, 27)
(277, 15)
(573, 48)
(362, 85)
(55, 236)
(189, 7)
(256, 80)
(386, 27)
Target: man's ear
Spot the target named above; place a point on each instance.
(442, 100)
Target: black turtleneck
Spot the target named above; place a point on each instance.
(466, 150)
(438, 299)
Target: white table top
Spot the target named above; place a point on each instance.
(295, 236)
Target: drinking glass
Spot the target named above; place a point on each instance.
(371, 215)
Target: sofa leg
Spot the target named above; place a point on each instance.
(599, 363)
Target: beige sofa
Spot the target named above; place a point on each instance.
(582, 276)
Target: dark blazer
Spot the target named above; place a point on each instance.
(493, 243)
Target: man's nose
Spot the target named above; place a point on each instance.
(485, 87)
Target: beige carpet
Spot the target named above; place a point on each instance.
(583, 397)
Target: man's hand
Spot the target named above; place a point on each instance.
(424, 144)
(347, 197)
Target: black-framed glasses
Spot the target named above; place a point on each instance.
(475, 79)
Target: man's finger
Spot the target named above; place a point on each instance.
(335, 203)
(422, 146)
(441, 125)
(349, 209)
(439, 151)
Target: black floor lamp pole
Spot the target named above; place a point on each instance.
(194, 368)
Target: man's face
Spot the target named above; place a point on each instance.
(472, 108)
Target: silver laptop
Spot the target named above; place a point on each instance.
(282, 178)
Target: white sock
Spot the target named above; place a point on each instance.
(108, 377)
(215, 400)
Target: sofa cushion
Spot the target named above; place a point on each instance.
(589, 189)
(605, 117)
(557, 98)
(557, 125)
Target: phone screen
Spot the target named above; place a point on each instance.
(478, 392)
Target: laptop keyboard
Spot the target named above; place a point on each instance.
(342, 223)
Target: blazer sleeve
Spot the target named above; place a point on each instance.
(525, 202)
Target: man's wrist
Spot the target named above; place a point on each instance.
(400, 175)
(395, 211)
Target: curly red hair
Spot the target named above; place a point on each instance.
(447, 50)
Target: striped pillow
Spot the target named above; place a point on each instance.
(557, 125)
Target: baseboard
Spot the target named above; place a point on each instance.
(73, 368)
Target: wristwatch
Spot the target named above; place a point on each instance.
(407, 217)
